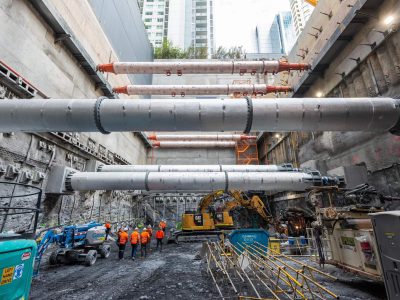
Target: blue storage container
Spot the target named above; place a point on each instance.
(248, 236)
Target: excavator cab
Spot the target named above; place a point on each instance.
(223, 219)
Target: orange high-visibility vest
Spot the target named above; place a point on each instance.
(123, 237)
(150, 231)
(135, 238)
(144, 237)
(159, 234)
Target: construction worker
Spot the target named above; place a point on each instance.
(135, 241)
(144, 239)
(162, 225)
(150, 232)
(107, 225)
(159, 236)
(122, 240)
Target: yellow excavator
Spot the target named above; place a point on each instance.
(205, 220)
(205, 224)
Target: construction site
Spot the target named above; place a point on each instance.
(125, 175)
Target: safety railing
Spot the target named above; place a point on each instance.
(19, 209)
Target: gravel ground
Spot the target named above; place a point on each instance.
(173, 274)
(176, 273)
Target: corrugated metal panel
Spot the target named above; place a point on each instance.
(122, 23)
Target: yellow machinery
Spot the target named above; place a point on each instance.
(197, 221)
(204, 220)
(255, 203)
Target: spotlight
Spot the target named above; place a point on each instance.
(277, 135)
(389, 20)
(319, 94)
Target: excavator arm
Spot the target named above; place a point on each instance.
(231, 205)
(255, 203)
(206, 201)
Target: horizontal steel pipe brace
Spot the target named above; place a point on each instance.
(194, 144)
(190, 181)
(108, 115)
(200, 137)
(195, 168)
(183, 90)
(206, 67)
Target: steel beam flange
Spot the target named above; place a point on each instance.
(226, 181)
(68, 184)
(249, 122)
(146, 181)
(97, 115)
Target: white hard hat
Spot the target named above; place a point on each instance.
(126, 229)
(136, 228)
(149, 226)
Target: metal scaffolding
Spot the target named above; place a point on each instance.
(252, 271)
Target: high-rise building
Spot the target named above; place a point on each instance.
(301, 12)
(286, 30)
(155, 15)
(186, 23)
(203, 25)
(278, 37)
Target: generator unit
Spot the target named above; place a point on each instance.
(387, 234)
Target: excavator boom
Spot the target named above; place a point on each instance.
(208, 199)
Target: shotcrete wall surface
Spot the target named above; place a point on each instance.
(375, 74)
(28, 45)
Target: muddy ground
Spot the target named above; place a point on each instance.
(176, 273)
(173, 274)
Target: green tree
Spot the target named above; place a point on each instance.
(236, 52)
(199, 53)
(168, 51)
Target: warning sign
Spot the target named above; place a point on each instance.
(7, 275)
(19, 269)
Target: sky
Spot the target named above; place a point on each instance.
(236, 20)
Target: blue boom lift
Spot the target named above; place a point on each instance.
(76, 243)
